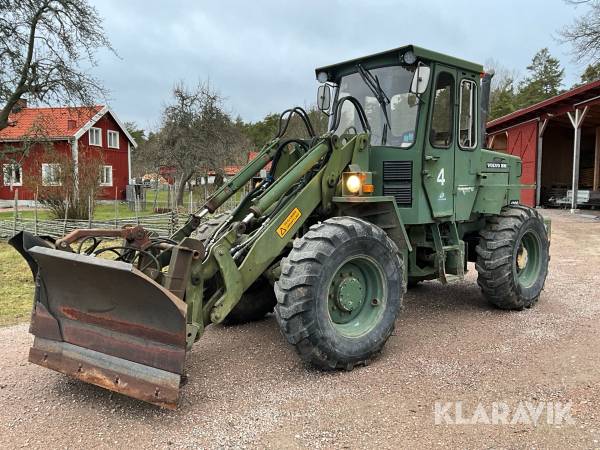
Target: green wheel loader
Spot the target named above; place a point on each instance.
(399, 190)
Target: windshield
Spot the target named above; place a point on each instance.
(402, 109)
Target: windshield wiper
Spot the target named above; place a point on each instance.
(372, 83)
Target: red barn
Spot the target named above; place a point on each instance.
(558, 140)
(75, 132)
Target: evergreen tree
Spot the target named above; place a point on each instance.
(544, 80)
(502, 99)
(591, 73)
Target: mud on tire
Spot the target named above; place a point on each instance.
(512, 258)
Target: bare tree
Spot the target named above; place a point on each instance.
(43, 47)
(197, 136)
(584, 33)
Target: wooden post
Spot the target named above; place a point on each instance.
(596, 184)
(66, 215)
(576, 121)
(35, 211)
(155, 194)
(116, 210)
(16, 210)
(191, 201)
(89, 211)
(136, 206)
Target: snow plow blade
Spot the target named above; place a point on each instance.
(107, 323)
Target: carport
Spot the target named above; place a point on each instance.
(559, 142)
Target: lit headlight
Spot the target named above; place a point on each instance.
(353, 184)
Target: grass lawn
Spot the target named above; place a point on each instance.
(106, 211)
(16, 287)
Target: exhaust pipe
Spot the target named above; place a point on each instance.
(484, 107)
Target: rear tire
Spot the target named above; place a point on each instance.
(512, 258)
(339, 293)
(258, 300)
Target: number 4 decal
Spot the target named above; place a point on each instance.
(441, 178)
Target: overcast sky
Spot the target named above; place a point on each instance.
(261, 54)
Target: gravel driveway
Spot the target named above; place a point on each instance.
(247, 388)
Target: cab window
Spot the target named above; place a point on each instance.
(467, 131)
(442, 116)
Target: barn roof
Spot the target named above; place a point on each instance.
(56, 123)
(578, 97)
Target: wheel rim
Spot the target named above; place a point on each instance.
(357, 296)
(527, 259)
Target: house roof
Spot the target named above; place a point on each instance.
(56, 123)
(560, 104)
(252, 155)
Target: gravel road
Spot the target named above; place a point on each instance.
(247, 388)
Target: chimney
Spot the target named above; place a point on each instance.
(71, 124)
(21, 104)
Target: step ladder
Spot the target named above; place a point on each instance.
(450, 252)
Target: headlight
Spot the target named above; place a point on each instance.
(322, 77)
(409, 57)
(353, 184)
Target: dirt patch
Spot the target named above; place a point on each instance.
(247, 387)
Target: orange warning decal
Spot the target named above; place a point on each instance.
(289, 222)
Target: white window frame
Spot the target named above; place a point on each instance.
(8, 175)
(114, 133)
(472, 112)
(106, 181)
(92, 132)
(45, 168)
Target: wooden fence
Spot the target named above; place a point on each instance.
(163, 224)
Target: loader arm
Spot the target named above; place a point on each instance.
(267, 243)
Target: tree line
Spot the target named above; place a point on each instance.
(46, 47)
(197, 137)
(544, 79)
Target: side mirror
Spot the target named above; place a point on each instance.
(324, 97)
(420, 79)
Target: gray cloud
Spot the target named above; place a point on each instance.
(261, 54)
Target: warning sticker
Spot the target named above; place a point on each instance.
(289, 222)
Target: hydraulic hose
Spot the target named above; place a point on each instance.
(364, 122)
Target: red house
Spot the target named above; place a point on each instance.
(75, 132)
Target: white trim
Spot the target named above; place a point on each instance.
(44, 183)
(472, 112)
(75, 157)
(11, 183)
(99, 135)
(108, 134)
(107, 183)
(490, 133)
(98, 116)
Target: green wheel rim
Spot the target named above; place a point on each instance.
(357, 296)
(527, 259)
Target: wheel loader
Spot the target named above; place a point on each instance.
(399, 190)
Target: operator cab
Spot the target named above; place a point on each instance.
(422, 110)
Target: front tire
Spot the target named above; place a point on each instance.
(512, 258)
(339, 293)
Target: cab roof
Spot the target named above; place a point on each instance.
(395, 56)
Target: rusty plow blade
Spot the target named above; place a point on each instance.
(106, 323)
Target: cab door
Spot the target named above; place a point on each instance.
(468, 153)
(440, 143)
